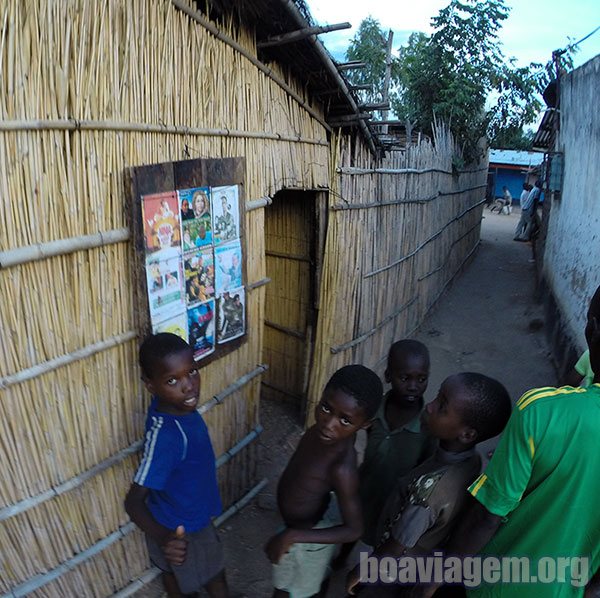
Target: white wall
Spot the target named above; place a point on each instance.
(572, 255)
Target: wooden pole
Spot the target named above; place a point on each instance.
(300, 34)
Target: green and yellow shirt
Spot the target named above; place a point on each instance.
(544, 478)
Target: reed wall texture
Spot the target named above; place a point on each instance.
(399, 230)
(87, 90)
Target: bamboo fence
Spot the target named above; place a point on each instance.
(399, 230)
(87, 90)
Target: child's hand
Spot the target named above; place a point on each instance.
(174, 546)
(352, 580)
(278, 545)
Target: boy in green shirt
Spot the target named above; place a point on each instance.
(538, 496)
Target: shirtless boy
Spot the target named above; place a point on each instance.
(321, 475)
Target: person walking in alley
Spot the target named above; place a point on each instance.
(525, 226)
(503, 204)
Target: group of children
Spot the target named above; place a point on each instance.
(403, 499)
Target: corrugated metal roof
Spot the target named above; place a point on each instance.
(516, 158)
(544, 138)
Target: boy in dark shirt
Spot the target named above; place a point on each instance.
(420, 513)
(174, 495)
(397, 440)
(323, 469)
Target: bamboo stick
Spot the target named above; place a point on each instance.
(121, 127)
(426, 242)
(358, 171)
(255, 204)
(366, 335)
(40, 251)
(53, 364)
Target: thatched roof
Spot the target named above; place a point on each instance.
(307, 59)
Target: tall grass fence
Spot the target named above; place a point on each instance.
(400, 229)
(87, 90)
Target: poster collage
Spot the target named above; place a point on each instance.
(194, 265)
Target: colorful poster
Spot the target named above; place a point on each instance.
(199, 270)
(165, 285)
(197, 229)
(176, 325)
(228, 267)
(201, 329)
(161, 221)
(231, 308)
(226, 213)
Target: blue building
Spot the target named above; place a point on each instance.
(512, 168)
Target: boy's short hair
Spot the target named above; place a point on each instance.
(158, 346)
(361, 383)
(489, 410)
(408, 346)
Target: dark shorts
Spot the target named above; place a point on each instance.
(204, 559)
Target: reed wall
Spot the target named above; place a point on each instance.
(399, 230)
(87, 90)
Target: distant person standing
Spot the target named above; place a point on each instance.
(528, 208)
(526, 189)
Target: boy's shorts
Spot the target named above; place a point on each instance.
(302, 570)
(204, 559)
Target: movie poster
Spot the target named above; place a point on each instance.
(228, 267)
(161, 221)
(165, 285)
(177, 325)
(194, 208)
(201, 329)
(199, 270)
(194, 263)
(226, 213)
(231, 309)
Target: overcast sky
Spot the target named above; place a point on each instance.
(533, 29)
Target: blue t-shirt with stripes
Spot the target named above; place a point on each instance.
(178, 467)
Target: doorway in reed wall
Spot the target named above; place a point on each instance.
(292, 264)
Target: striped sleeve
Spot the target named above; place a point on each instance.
(500, 488)
(161, 454)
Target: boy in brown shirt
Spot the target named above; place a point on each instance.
(420, 513)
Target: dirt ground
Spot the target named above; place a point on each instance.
(486, 322)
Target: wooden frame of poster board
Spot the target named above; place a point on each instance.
(173, 176)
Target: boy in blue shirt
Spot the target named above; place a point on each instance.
(174, 494)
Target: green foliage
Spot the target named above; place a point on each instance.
(513, 138)
(458, 76)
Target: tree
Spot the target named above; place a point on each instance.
(452, 75)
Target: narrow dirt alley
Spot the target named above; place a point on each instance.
(486, 322)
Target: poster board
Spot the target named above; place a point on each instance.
(190, 252)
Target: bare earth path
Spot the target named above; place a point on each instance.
(486, 322)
